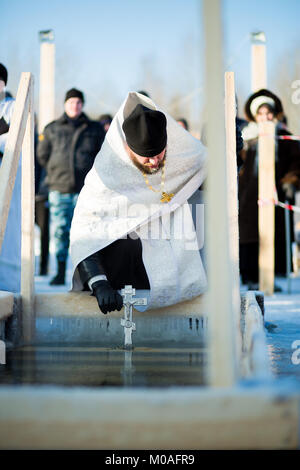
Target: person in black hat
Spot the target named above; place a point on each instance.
(147, 157)
(121, 262)
(146, 138)
(67, 149)
(265, 106)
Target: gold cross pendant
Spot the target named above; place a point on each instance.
(166, 197)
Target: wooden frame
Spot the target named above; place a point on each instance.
(266, 210)
(232, 191)
(205, 418)
(222, 338)
(232, 417)
(21, 135)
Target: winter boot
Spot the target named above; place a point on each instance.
(43, 268)
(43, 271)
(59, 279)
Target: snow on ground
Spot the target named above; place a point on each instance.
(282, 317)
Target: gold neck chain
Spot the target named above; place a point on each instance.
(165, 197)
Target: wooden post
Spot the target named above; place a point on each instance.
(258, 62)
(232, 191)
(222, 339)
(27, 265)
(12, 151)
(266, 211)
(47, 79)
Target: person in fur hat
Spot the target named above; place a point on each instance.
(264, 106)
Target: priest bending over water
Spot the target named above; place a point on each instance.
(134, 222)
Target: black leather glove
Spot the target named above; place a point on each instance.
(239, 138)
(108, 298)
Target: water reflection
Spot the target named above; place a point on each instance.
(100, 367)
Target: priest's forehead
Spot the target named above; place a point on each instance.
(159, 155)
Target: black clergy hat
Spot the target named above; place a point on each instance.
(73, 93)
(3, 73)
(146, 131)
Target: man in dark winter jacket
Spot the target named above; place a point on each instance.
(67, 149)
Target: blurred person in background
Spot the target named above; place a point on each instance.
(67, 149)
(183, 122)
(265, 106)
(105, 120)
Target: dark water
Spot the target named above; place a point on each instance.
(100, 367)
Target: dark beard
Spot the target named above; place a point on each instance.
(146, 169)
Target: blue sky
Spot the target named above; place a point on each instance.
(107, 48)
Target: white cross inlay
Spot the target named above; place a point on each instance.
(129, 326)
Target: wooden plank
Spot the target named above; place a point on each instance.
(47, 84)
(259, 67)
(230, 126)
(27, 265)
(266, 211)
(75, 317)
(10, 161)
(83, 418)
(74, 304)
(222, 340)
